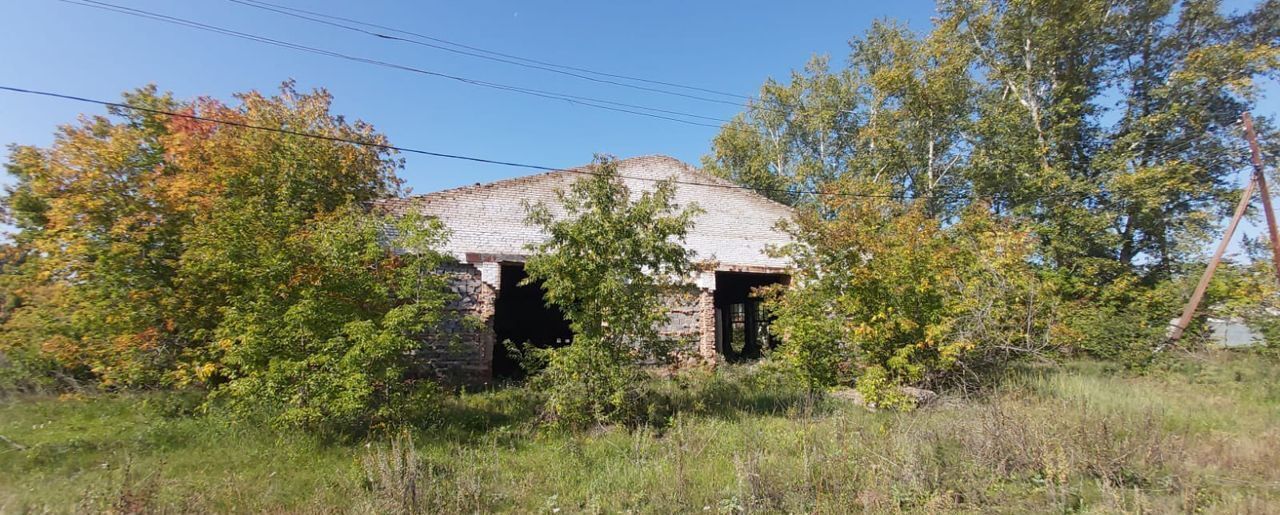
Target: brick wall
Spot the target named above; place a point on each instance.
(734, 229)
(684, 320)
(487, 223)
(462, 351)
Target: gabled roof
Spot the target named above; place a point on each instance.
(702, 179)
(735, 227)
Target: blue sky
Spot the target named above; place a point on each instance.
(728, 46)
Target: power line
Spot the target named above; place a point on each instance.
(338, 139)
(724, 124)
(319, 17)
(506, 55)
(492, 55)
(574, 99)
(234, 123)
(411, 150)
(622, 107)
(447, 46)
(579, 170)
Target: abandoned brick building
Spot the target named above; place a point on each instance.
(717, 316)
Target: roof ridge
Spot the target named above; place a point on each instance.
(721, 181)
(524, 178)
(686, 167)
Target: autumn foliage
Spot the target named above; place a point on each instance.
(887, 295)
(160, 251)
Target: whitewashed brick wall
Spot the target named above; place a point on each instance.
(734, 230)
(736, 227)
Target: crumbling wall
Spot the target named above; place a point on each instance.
(707, 324)
(488, 225)
(461, 352)
(685, 321)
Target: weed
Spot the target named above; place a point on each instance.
(1201, 435)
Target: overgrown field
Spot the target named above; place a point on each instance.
(1202, 433)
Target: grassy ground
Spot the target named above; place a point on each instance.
(1200, 435)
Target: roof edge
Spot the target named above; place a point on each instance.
(714, 180)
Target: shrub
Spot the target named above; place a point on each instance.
(889, 295)
(812, 348)
(607, 263)
(586, 383)
(167, 251)
(1125, 323)
(24, 369)
(336, 349)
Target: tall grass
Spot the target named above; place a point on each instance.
(1200, 435)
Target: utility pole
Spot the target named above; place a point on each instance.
(1194, 303)
(1261, 179)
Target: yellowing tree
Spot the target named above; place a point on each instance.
(161, 250)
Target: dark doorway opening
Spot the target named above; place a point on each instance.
(742, 328)
(521, 316)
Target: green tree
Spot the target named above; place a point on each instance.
(1107, 126)
(102, 238)
(1136, 195)
(1042, 65)
(793, 138)
(885, 295)
(1132, 106)
(158, 250)
(324, 333)
(897, 116)
(608, 260)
